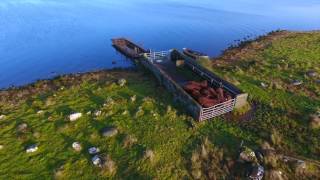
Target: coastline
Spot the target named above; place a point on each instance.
(18, 93)
(255, 44)
(32, 84)
(156, 138)
(227, 56)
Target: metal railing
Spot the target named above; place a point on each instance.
(154, 56)
(206, 76)
(217, 110)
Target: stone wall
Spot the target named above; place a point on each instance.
(241, 97)
(193, 107)
(179, 94)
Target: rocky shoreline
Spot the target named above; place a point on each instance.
(17, 94)
(71, 116)
(74, 78)
(230, 55)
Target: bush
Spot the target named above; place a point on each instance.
(207, 162)
(315, 121)
(276, 138)
(109, 167)
(241, 111)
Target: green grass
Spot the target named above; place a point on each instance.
(162, 127)
(276, 60)
(57, 133)
(156, 121)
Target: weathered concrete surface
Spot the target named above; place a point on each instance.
(241, 100)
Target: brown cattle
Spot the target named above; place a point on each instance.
(205, 95)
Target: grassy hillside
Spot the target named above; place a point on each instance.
(266, 68)
(156, 139)
(276, 61)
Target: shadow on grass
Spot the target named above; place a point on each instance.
(64, 110)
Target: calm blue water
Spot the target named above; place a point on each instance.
(43, 38)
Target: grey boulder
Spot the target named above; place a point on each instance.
(32, 148)
(109, 131)
(93, 150)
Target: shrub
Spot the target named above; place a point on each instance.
(241, 111)
(276, 138)
(271, 160)
(315, 121)
(207, 162)
(109, 167)
(129, 141)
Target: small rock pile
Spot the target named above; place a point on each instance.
(94, 151)
(96, 159)
(100, 161)
(256, 171)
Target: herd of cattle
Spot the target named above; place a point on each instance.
(206, 96)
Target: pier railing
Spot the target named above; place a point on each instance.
(217, 110)
(156, 56)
